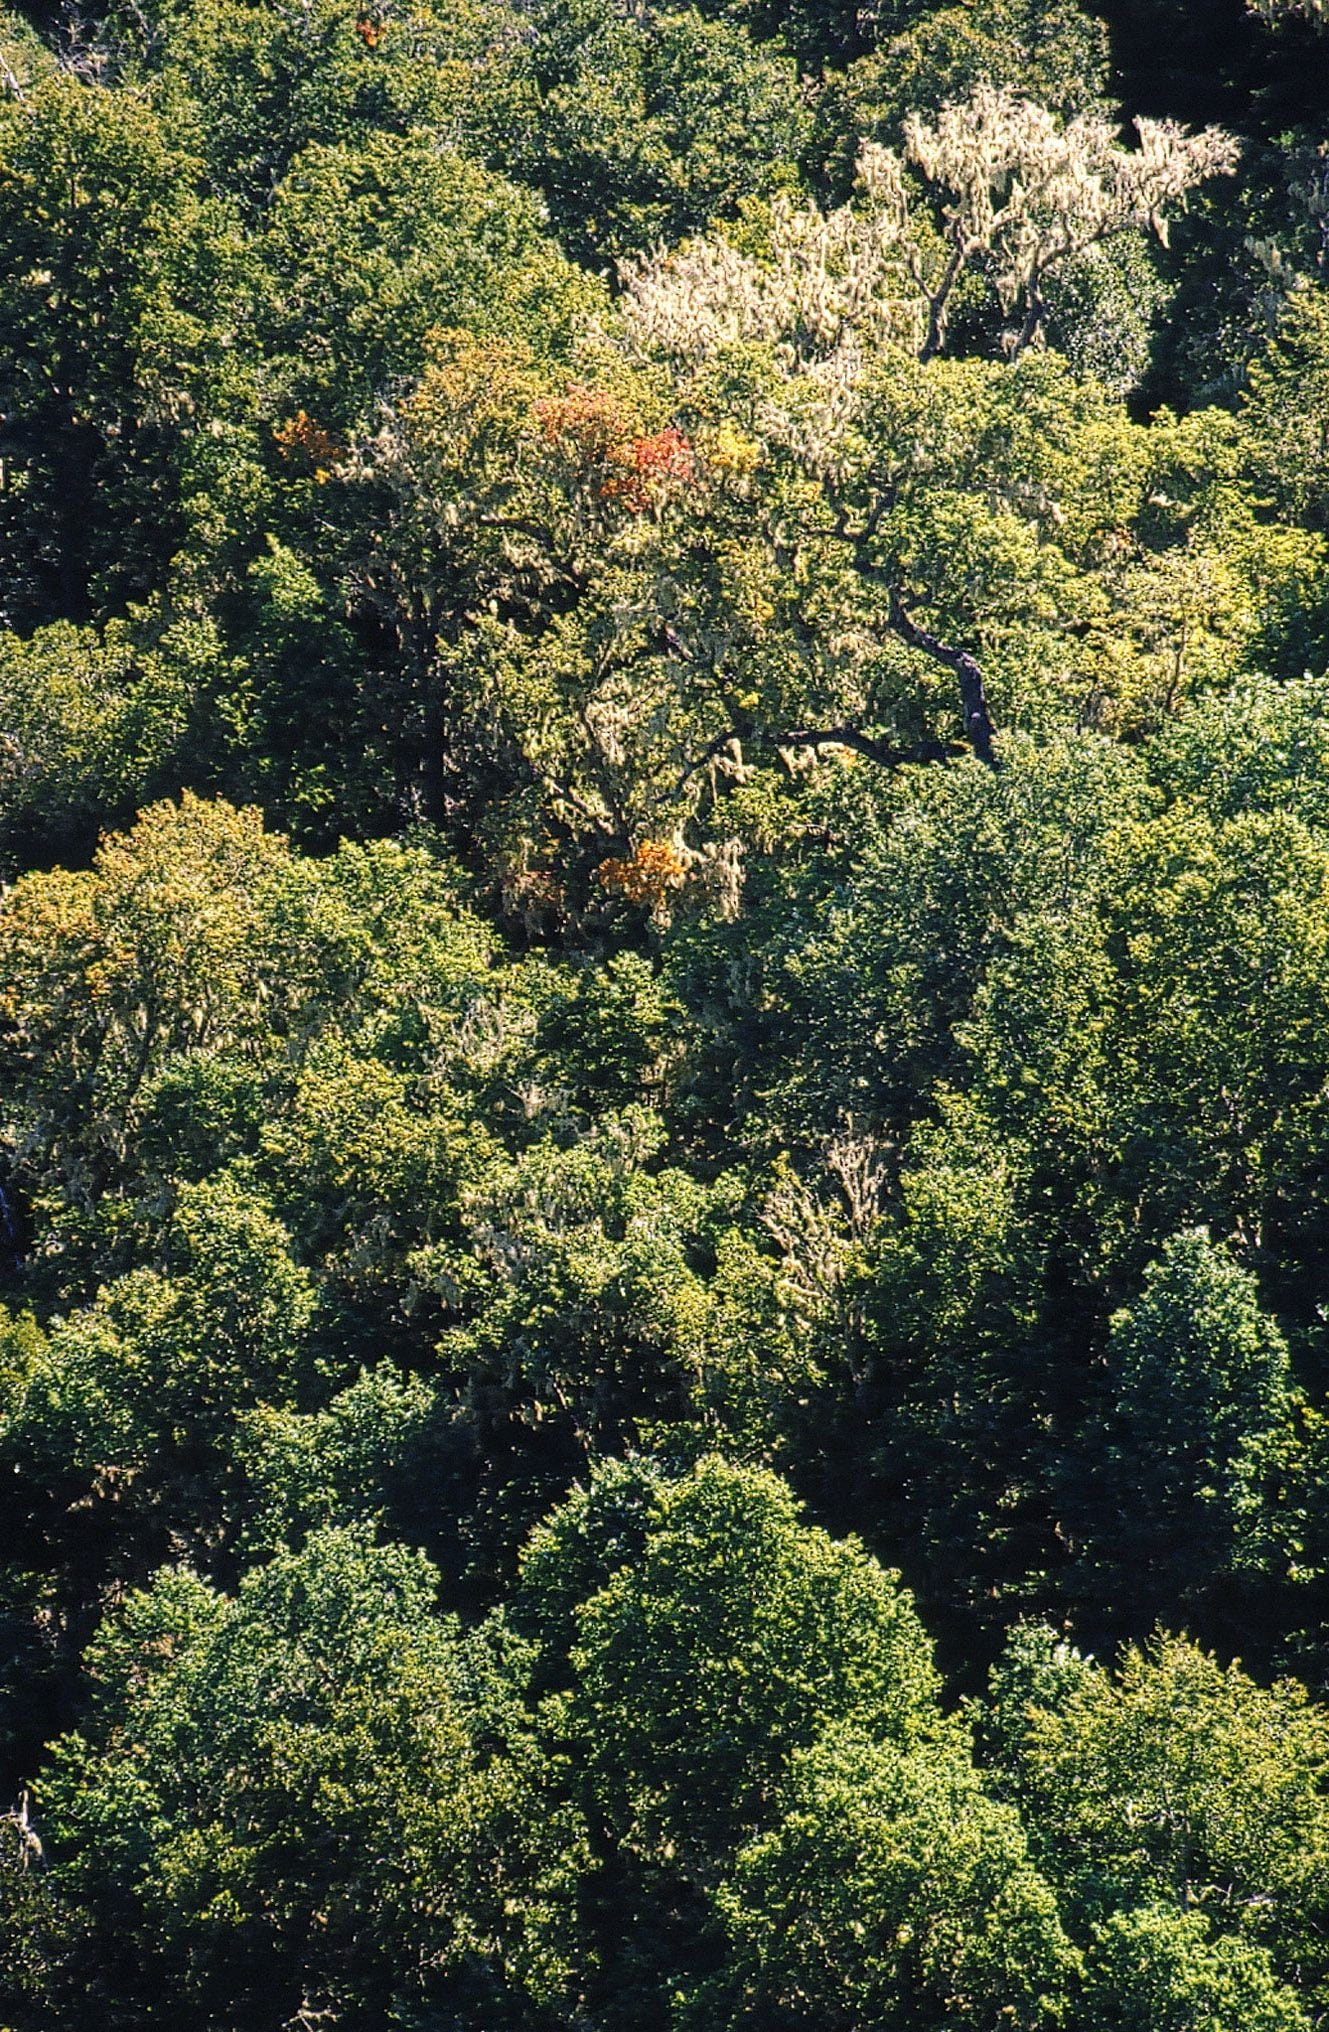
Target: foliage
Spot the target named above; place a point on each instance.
(893, 1892)
(1187, 1784)
(664, 827)
(1157, 1967)
(1201, 1383)
(325, 1713)
(737, 1636)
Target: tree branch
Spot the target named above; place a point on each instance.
(862, 744)
(9, 78)
(973, 696)
(1035, 313)
(938, 301)
(707, 755)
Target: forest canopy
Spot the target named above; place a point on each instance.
(664, 1084)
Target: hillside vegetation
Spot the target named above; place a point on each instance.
(664, 1016)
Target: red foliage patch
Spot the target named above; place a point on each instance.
(630, 469)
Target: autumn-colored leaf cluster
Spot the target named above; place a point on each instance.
(627, 465)
(307, 444)
(646, 876)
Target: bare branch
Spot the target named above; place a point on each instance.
(882, 752)
(11, 82)
(978, 723)
(730, 738)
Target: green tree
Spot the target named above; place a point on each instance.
(734, 1639)
(92, 724)
(927, 55)
(376, 1453)
(1183, 1783)
(122, 300)
(892, 1893)
(1158, 1970)
(1286, 415)
(642, 129)
(196, 930)
(366, 249)
(1037, 1669)
(177, 1006)
(259, 85)
(145, 1383)
(1202, 1392)
(712, 1636)
(597, 1318)
(294, 1800)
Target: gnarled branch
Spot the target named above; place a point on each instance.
(978, 724)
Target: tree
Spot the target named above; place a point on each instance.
(1031, 193)
(293, 1800)
(196, 931)
(1286, 415)
(35, 1934)
(144, 1384)
(711, 1636)
(376, 1453)
(1280, 10)
(92, 722)
(260, 85)
(1202, 1390)
(122, 1446)
(1022, 189)
(1157, 1970)
(892, 1893)
(1183, 1783)
(166, 1008)
(736, 1637)
(119, 323)
(932, 56)
(642, 129)
(367, 249)
(1037, 1670)
(596, 1321)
